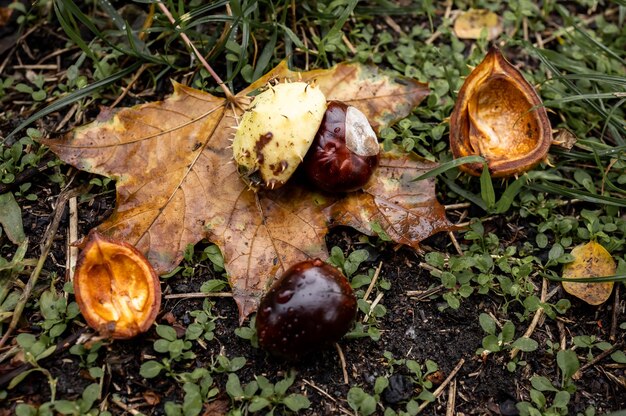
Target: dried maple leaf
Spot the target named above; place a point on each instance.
(176, 185)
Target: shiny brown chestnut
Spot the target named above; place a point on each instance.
(310, 307)
(345, 151)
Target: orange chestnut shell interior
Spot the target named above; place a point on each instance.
(116, 288)
(498, 115)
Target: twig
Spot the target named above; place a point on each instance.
(455, 243)
(373, 282)
(45, 249)
(127, 88)
(68, 115)
(373, 305)
(322, 392)
(124, 406)
(325, 394)
(615, 316)
(11, 352)
(562, 337)
(393, 25)
(599, 358)
(61, 346)
(536, 318)
(467, 223)
(457, 206)
(199, 295)
(443, 385)
(451, 399)
(347, 42)
(25, 175)
(563, 30)
(72, 236)
(342, 360)
(423, 294)
(229, 95)
(432, 269)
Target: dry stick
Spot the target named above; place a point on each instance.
(70, 113)
(199, 295)
(461, 205)
(347, 42)
(394, 26)
(61, 346)
(72, 236)
(562, 31)
(451, 399)
(10, 353)
(615, 317)
(373, 282)
(372, 306)
(26, 174)
(536, 318)
(455, 243)
(229, 95)
(127, 88)
(467, 223)
(125, 407)
(45, 249)
(599, 357)
(342, 359)
(443, 385)
(14, 48)
(324, 393)
(420, 295)
(432, 269)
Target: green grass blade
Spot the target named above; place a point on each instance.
(614, 278)
(603, 78)
(578, 194)
(486, 188)
(444, 167)
(75, 96)
(546, 57)
(509, 194)
(579, 97)
(475, 199)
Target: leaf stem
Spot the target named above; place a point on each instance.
(229, 95)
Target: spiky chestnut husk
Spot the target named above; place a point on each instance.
(276, 132)
(345, 151)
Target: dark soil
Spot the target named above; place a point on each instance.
(411, 329)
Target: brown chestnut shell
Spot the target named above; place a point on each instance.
(117, 290)
(498, 115)
(345, 151)
(309, 307)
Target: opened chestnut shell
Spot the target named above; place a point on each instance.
(498, 115)
(116, 288)
(345, 151)
(309, 307)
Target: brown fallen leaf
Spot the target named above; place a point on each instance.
(176, 184)
(590, 260)
(470, 24)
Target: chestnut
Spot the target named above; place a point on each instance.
(309, 307)
(344, 152)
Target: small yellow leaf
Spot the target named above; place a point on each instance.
(469, 24)
(590, 260)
